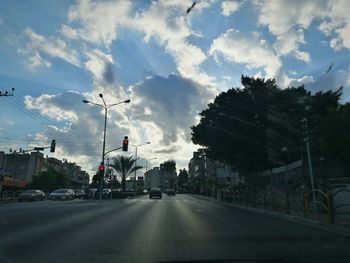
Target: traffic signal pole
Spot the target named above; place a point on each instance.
(103, 149)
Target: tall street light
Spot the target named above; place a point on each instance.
(106, 107)
(142, 144)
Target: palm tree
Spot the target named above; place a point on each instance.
(124, 167)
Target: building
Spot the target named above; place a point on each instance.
(17, 170)
(152, 178)
(205, 174)
(22, 167)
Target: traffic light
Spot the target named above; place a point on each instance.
(125, 144)
(53, 146)
(101, 169)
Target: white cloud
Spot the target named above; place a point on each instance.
(99, 20)
(69, 32)
(80, 137)
(297, 82)
(166, 22)
(100, 66)
(339, 24)
(229, 7)
(287, 20)
(162, 110)
(248, 49)
(38, 45)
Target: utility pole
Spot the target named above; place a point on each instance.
(307, 143)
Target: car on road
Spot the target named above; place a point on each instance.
(170, 192)
(79, 193)
(62, 194)
(31, 195)
(89, 193)
(106, 193)
(155, 192)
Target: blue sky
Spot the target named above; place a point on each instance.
(56, 53)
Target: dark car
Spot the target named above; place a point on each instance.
(155, 192)
(79, 193)
(89, 193)
(106, 193)
(170, 192)
(31, 195)
(62, 194)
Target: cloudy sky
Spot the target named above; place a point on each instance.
(57, 53)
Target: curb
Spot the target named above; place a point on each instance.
(291, 218)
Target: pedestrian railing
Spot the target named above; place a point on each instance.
(324, 202)
(289, 201)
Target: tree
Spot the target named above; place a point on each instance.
(334, 140)
(95, 181)
(124, 166)
(182, 178)
(168, 173)
(50, 180)
(258, 127)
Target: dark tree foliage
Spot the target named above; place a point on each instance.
(258, 127)
(50, 180)
(182, 178)
(334, 133)
(95, 181)
(168, 166)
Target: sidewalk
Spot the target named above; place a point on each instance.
(318, 220)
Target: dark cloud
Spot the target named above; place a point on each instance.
(170, 150)
(108, 74)
(323, 83)
(173, 102)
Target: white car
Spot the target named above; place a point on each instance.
(62, 194)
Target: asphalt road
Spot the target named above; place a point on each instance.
(176, 228)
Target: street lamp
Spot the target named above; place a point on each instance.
(106, 107)
(142, 144)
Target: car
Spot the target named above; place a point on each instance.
(62, 194)
(106, 193)
(155, 192)
(89, 193)
(31, 195)
(79, 193)
(170, 192)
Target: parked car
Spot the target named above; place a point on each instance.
(170, 192)
(155, 192)
(62, 194)
(106, 193)
(89, 193)
(79, 193)
(31, 195)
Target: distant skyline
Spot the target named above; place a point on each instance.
(170, 64)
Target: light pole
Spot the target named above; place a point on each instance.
(106, 107)
(142, 144)
(306, 140)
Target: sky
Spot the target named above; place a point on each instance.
(168, 63)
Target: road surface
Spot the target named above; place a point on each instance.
(177, 228)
